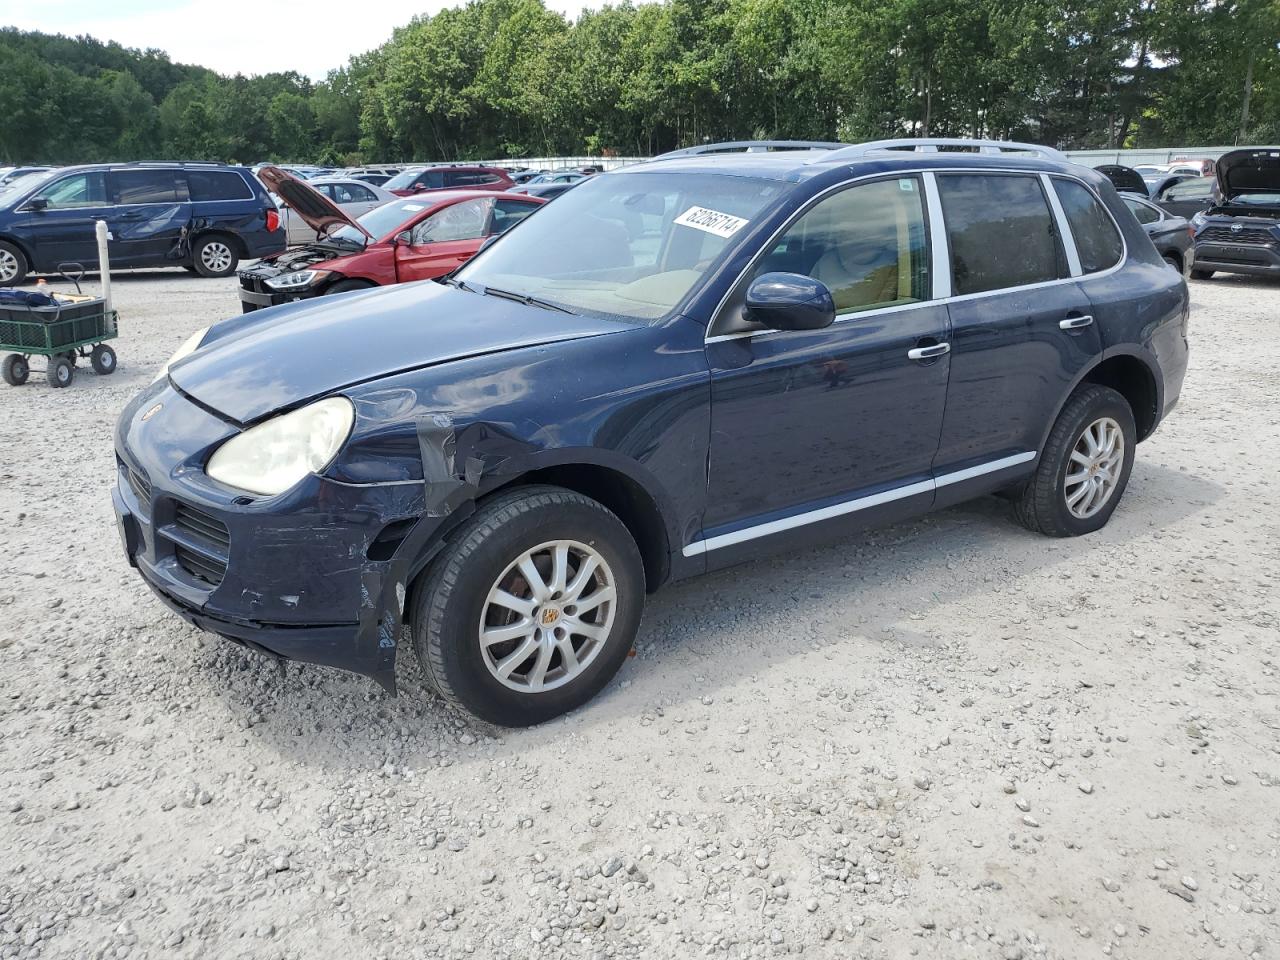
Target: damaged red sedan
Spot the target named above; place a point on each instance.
(417, 238)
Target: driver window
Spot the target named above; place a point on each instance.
(81, 190)
(868, 244)
(462, 221)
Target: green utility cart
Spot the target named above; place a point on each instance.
(72, 327)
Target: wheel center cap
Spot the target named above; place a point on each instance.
(550, 615)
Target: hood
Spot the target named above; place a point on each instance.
(1256, 170)
(256, 364)
(319, 212)
(1124, 179)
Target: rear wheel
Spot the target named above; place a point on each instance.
(13, 265)
(1173, 262)
(1084, 468)
(60, 372)
(215, 256)
(531, 608)
(103, 359)
(1201, 274)
(16, 370)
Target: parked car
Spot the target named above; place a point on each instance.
(524, 176)
(557, 176)
(1171, 235)
(454, 177)
(376, 179)
(673, 368)
(547, 191)
(1124, 179)
(202, 216)
(355, 197)
(1240, 233)
(1186, 196)
(10, 174)
(405, 239)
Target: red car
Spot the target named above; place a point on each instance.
(418, 238)
(455, 176)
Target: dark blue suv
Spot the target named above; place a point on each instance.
(205, 217)
(674, 367)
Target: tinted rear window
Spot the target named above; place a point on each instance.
(1097, 240)
(147, 186)
(217, 185)
(1001, 231)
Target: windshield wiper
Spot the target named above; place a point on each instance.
(455, 282)
(526, 299)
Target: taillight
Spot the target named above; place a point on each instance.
(273, 221)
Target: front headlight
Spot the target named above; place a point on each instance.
(273, 456)
(189, 346)
(298, 280)
(1199, 219)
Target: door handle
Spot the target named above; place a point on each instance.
(464, 258)
(929, 353)
(1075, 323)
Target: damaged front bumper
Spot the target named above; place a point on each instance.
(316, 574)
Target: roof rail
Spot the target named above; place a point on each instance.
(750, 146)
(931, 145)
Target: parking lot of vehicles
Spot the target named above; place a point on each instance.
(453, 176)
(400, 241)
(635, 386)
(205, 217)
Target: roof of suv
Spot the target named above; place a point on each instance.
(797, 164)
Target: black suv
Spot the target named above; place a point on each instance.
(674, 367)
(1240, 233)
(202, 216)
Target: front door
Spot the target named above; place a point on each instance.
(838, 427)
(149, 215)
(1187, 197)
(64, 229)
(443, 241)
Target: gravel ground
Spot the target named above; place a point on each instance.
(948, 738)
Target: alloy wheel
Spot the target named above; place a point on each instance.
(8, 266)
(1093, 472)
(216, 256)
(547, 616)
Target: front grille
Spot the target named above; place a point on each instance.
(139, 484)
(1227, 235)
(200, 524)
(200, 567)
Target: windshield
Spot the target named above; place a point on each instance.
(379, 221)
(626, 245)
(1271, 199)
(403, 181)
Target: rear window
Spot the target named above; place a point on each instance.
(217, 185)
(1001, 231)
(1140, 210)
(1098, 242)
(147, 186)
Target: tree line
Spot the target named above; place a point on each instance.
(510, 78)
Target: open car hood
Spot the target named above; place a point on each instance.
(319, 212)
(1124, 179)
(1256, 170)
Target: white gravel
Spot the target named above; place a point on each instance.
(948, 738)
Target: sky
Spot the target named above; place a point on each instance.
(235, 36)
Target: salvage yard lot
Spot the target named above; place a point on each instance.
(951, 737)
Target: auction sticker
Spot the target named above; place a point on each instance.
(712, 221)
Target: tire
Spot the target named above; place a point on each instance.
(60, 372)
(1173, 263)
(344, 286)
(452, 604)
(214, 255)
(1042, 505)
(1201, 274)
(103, 359)
(16, 370)
(13, 265)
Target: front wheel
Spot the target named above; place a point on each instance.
(103, 359)
(215, 256)
(60, 372)
(531, 608)
(13, 265)
(16, 370)
(1084, 468)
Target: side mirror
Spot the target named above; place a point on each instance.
(404, 236)
(38, 203)
(790, 301)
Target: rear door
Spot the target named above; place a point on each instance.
(1187, 197)
(1022, 327)
(64, 229)
(150, 215)
(443, 241)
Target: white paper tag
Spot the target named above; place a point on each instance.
(711, 221)
(413, 206)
